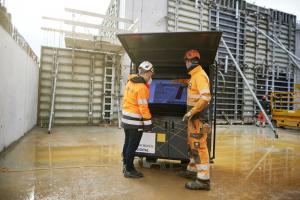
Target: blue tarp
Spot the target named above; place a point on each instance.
(167, 92)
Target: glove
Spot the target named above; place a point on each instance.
(148, 128)
(187, 116)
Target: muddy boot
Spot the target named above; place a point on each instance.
(133, 174)
(188, 174)
(198, 185)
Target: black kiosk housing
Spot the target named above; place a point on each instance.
(166, 51)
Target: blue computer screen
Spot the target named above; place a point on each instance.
(167, 92)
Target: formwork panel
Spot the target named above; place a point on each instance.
(266, 66)
(187, 16)
(266, 56)
(79, 86)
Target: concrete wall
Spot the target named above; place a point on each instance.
(18, 91)
(151, 14)
(5, 19)
(152, 17)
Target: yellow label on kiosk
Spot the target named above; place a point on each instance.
(161, 137)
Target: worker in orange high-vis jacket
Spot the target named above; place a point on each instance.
(136, 117)
(198, 99)
(261, 119)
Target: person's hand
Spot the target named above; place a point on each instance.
(187, 116)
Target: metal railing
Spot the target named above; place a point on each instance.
(20, 40)
(284, 100)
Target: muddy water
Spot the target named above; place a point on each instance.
(85, 163)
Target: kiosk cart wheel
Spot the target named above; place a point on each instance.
(151, 159)
(185, 162)
(140, 161)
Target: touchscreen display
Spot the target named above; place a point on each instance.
(167, 92)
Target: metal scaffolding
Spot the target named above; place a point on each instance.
(105, 50)
(266, 67)
(249, 87)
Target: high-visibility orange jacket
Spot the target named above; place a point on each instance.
(135, 111)
(198, 96)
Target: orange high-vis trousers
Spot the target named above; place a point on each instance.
(261, 117)
(198, 151)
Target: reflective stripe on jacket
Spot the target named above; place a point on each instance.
(198, 90)
(135, 111)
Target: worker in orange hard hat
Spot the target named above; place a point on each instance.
(136, 116)
(192, 55)
(198, 99)
(261, 119)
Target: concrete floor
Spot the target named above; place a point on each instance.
(85, 163)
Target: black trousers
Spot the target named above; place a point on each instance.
(131, 143)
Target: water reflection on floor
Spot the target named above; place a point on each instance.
(85, 163)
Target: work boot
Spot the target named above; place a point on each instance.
(188, 174)
(198, 185)
(132, 174)
(257, 123)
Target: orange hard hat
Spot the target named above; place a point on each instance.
(192, 53)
